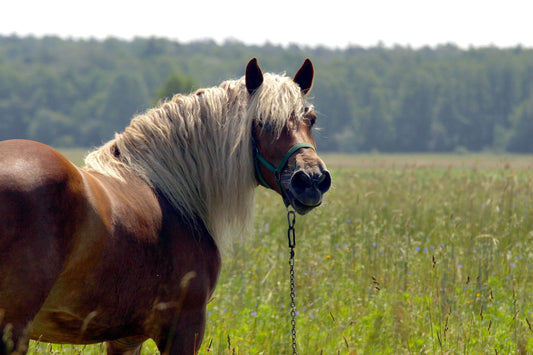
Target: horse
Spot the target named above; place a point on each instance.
(128, 248)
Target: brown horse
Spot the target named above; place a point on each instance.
(127, 248)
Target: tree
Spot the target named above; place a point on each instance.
(126, 96)
(52, 128)
(389, 99)
(13, 118)
(175, 84)
(412, 123)
(522, 128)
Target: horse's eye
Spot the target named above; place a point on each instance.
(311, 119)
(264, 126)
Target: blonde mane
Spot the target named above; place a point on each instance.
(196, 150)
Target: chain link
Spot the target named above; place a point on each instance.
(291, 216)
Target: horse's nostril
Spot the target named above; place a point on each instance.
(300, 180)
(324, 181)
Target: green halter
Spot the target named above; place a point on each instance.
(259, 159)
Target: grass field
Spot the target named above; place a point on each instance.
(407, 255)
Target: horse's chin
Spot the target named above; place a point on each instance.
(299, 206)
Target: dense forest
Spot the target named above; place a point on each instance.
(67, 92)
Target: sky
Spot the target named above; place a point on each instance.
(330, 23)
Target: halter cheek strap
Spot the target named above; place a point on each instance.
(276, 171)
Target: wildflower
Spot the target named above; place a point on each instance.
(459, 266)
(253, 314)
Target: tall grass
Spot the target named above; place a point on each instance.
(402, 258)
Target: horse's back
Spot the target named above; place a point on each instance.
(28, 166)
(39, 198)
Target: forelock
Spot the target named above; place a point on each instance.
(276, 101)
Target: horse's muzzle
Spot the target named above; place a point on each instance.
(306, 189)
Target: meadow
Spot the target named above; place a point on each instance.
(408, 254)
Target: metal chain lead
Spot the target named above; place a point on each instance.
(291, 216)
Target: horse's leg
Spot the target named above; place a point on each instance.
(14, 338)
(29, 270)
(125, 346)
(33, 247)
(30, 263)
(22, 298)
(183, 337)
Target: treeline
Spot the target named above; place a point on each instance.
(79, 92)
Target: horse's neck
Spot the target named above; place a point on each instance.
(216, 172)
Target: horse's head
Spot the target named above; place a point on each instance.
(285, 155)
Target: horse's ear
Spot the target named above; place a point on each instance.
(254, 76)
(304, 76)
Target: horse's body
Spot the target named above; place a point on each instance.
(120, 263)
(115, 251)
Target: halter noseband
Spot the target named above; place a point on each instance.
(276, 171)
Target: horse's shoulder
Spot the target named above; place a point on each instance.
(128, 206)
